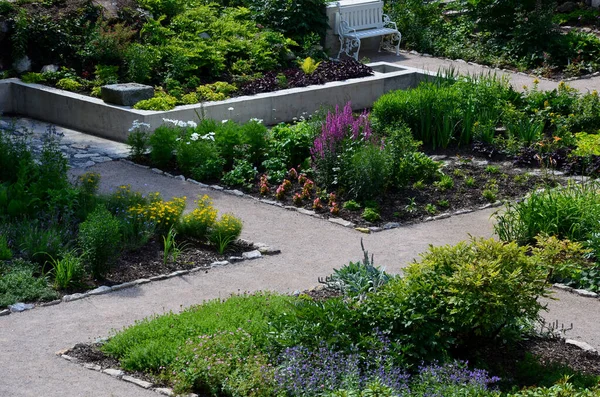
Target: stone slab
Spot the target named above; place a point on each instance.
(127, 94)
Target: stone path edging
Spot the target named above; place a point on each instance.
(121, 375)
(256, 252)
(576, 291)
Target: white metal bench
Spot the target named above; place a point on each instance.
(361, 20)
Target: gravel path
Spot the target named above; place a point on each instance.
(310, 248)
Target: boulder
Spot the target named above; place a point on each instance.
(126, 94)
(50, 68)
(22, 64)
(566, 7)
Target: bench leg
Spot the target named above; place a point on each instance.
(347, 46)
(391, 42)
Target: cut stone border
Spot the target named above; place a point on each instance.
(256, 251)
(121, 375)
(580, 292)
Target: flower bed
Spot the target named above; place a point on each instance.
(58, 237)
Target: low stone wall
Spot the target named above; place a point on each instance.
(93, 116)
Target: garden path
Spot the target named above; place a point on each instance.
(310, 247)
(518, 80)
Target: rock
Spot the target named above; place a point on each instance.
(180, 177)
(164, 391)
(255, 254)
(363, 230)
(269, 251)
(50, 68)
(93, 367)
(236, 193)
(562, 286)
(342, 222)
(391, 225)
(375, 229)
(197, 183)
(178, 273)
(582, 345)
(141, 281)
(20, 307)
(136, 381)
(566, 7)
(117, 373)
(84, 155)
(234, 259)
(22, 64)
(305, 211)
(101, 159)
(216, 187)
(219, 263)
(584, 292)
(100, 290)
(68, 358)
(4, 312)
(74, 297)
(124, 285)
(157, 171)
(159, 277)
(126, 94)
(441, 216)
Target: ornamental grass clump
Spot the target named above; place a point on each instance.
(571, 212)
(225, 231)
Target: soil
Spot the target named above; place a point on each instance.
(148, 261)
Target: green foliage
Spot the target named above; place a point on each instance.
(587, 144)
(33, 78)
(351, 205)
(290, 145)
(570, 212)
(465, 295)
(154, 343)
(563, 260)
(444, 183)
(224, 363)
(366, 172)
(242, 174)
(228, 137)
(163, 142)
(418, 22)
(5, 251)
(217, 91)
(161, 101)
(356, 279)
(38, 243)
(106, 74)
(308, 65)
(140, 61)
(560, 389)
(138, 140)
(254, 136)
(69, 84)
(67, 271)
(225, 231)
(197, 223)
(371, 215)
(169, 8)
(20, 284)
(99, 237)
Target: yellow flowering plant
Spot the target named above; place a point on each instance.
(225, 231)
(197, 223)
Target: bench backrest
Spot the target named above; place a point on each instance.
(360, 16)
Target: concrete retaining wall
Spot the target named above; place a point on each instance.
(92, 115)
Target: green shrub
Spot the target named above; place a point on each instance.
(570, 212)
(99, 237)
(5, 251)
(351, 205)
(67, 271)
(228, 137)
(371, 215)
(357, 278)
(34, 78)
(562, 388)
(161, 101)
(69, 84)
(21, 285)
(140, 61)
(217, 91)
(563, 260)
(197, 223)
(225, 231)
(138, 140)
(242, 174)
(254, 136)
(457, 296)
(154, 342)
(226, 362)
(365, 172)
(163, 142)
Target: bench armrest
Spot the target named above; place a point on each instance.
(345, 29)
(388, 21)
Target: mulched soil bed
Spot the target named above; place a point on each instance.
(147, 261)
(408, 206)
